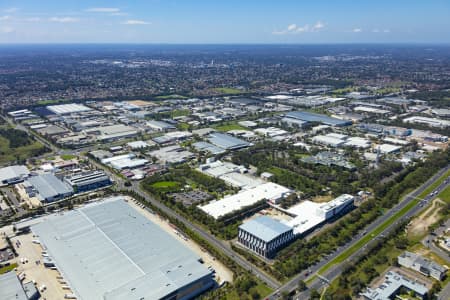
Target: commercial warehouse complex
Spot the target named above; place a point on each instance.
(108, 250)
(267, 191)
(420, 264)
(317, 118)
(11, 288)
(265, 235)
(309, 215)
(393, 284)
(13, 174)
(47, 188)
(87, 181)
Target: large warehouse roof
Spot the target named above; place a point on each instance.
(48, 185)
(63, 109)
(13, 172)
(10, 287)
(226, 141)
(108, 250)
(268, 191)
(312, 117)
(265, 228)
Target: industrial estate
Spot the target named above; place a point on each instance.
(326, 189)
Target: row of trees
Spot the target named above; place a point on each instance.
(301, 254)
(16, 138)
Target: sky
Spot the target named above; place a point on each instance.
(225, 21)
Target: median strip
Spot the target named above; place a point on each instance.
(364, 240)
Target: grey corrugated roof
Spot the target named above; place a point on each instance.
(204, 146)
(226, 141)
(265, 228)
(12, 172)
(10, 287)
(110, 251)
(312, 117)
(48, 185)
(87, 178)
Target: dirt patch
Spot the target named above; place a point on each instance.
(419, 226)
(322, 199)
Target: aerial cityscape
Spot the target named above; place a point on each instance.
(161, 150)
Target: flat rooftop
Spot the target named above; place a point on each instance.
(265, 228)
(266, 191)
(11, 288)
(313, 117)
(108, 250)
(68, 108)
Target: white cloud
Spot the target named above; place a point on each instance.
(64, 19)
(5, 18)
(294, 29)
(6, 29)
(357, 30)
(103, 9)
(376, 30)
(318, 26)
(32, 19)
(118, 14)
(135, 22)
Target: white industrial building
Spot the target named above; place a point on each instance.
(112, 132)
(394, 283)
(327, 140)
(108, 250)
(270, 131)
(388, 148)
(160, 125)
(341, 140)
(269, 191)
(357, 142)
(264, 235)
(138, 145)
(308, 214)
(371, 110)
(433, 122)
(230, 173)
(64, 109)
(87, 181)
(422, 265)
(13, 174)
(126, 161)
(172, 155)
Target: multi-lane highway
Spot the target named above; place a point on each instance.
(335, 270)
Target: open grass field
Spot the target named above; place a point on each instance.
(230, 127)
(50, 102)
(172, 96)
(9, 155)
(180, 113)
(228, 91)
(6, 269)
(261, 289)
(165, 184)
(67, 156)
